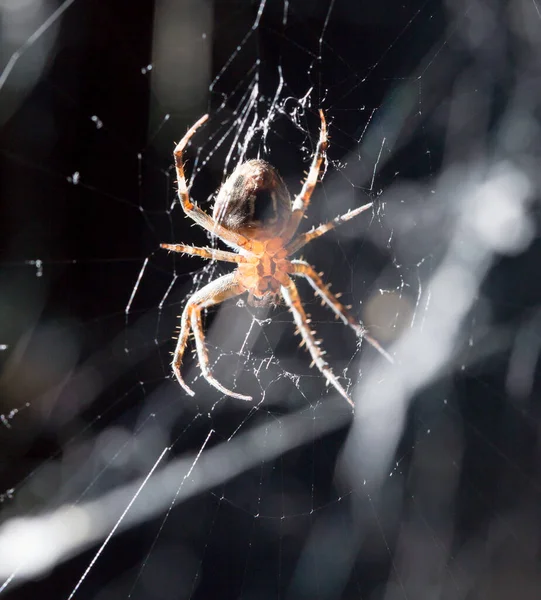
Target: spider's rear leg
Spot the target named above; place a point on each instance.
(318, 285)
(215, 292)
(302, 200)
(192, 210)
(303, 239)
(292, 299)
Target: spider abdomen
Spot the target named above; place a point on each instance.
(253, 201)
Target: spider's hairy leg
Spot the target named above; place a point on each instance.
(292, 299)
(215, 292)
(178, 355)
(302, 200)
(210, 253)
(322, 290)
(303, 239)
(191, 209)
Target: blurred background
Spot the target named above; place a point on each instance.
(113, 482)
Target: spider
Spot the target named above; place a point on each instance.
(253, 214)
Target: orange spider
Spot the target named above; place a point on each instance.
(253, 214)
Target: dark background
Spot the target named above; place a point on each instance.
(76, 365)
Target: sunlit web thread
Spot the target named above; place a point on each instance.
(168, 512)
(117, 524)
(240, 46)
(32, 39)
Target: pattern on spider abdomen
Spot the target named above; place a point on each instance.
(253, 201)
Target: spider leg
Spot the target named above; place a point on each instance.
(178, 355)
(303, 239)
(292, 299)
(215, 292)
(302, 200)
(210, 253)
(303, 268)
(192, 210)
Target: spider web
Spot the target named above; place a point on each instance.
(126, 487)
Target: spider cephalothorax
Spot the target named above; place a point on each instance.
(253, 214)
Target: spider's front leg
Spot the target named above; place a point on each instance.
(215, 292)
(292, 299)
(318, 285)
